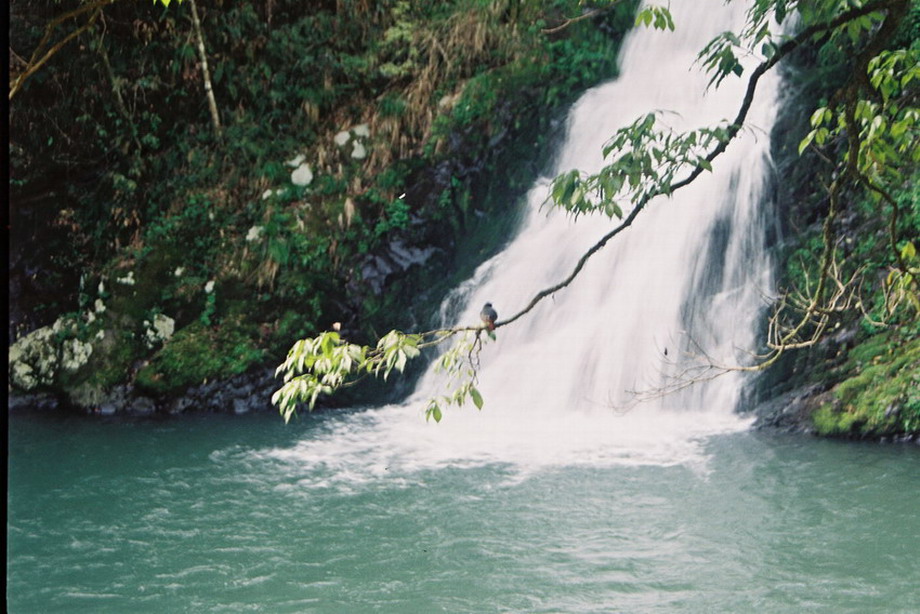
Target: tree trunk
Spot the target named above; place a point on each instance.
(206, 74)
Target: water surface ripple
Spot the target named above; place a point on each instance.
(206, 516)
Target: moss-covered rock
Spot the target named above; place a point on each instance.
(33, 360)
(198, 353)
(48, 356)
(879, 392)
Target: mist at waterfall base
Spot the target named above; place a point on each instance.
(561, 495)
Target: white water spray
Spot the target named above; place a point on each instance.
(691, 270)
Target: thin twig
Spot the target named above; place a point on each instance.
(592, 13)
(35, 63)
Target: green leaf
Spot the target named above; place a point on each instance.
(821, 135)
(670, 20)
(433, 411)
(806, 141)
(818, 117)
(612, 209)
(400, 361)
(477, 398)
(563, 187)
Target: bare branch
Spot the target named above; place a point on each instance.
(205, 72)
(40, 57)
(592, 13)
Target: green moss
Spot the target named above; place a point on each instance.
(830, 422)
(154, 282)
(111, 361)
(198, 353)
(113, 352)
(293, 325)
(881, 395)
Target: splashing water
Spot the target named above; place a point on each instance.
(690, 273)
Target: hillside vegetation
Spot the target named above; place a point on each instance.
(345, 176)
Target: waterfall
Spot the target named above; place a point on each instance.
(689, 275)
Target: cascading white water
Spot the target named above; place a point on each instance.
(691, 271)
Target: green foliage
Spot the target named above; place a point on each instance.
(322, 365)
(644, 161)
(881, 396)
(210, 306)
(191, 229)
(459, 363)
(395, 218)
(198, 353)
(129, 177)
(326, 363)
(867, 128)
(400, 55)
(888, 130)
(656, 17)
(720, 57)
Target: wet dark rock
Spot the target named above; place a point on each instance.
(142, 406)
(248, 392)
(791, 411)
(32, 402)
(241, 394)
(116, 402)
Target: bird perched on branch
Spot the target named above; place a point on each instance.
(488, 315)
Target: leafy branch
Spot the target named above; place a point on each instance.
(645, 163)
(325, 363)
(652, 16)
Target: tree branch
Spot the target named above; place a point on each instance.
(205, 73)
(830, 295)
(592, 13)
(733, 129)
(34, 63)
